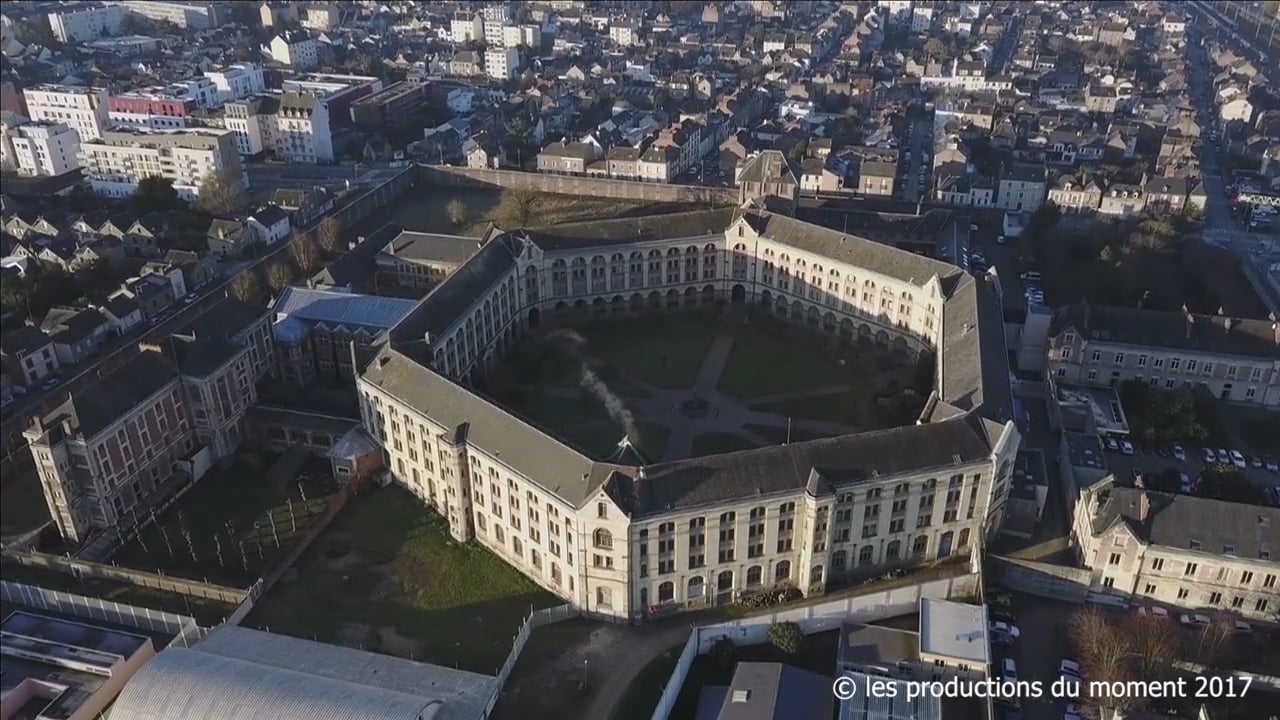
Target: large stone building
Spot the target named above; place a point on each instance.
(1236, 360)
(1181, 550)
(109, 454)
(625, 538)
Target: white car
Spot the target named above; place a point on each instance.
(1154, 611)
(973, 227)
(1185, 486)
(1208, 454)
(1009, 670)
(1126, 447)
(1195, 620)
(1003, 628)
(1238, 460)
(1242, 628)
(1179, 452)
(1224, 456)
(1069, 667)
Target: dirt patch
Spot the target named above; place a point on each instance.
(393, 643)
(560, 667)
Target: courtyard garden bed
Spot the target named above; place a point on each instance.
(387, 576)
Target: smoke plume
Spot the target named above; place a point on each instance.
(572, 341)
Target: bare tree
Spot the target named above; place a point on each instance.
(456, 211)
(1213, 642)
(245, 286)
(518, 208)
(279, 274)
(1105, 650)
(329, 235)
(222, 193)
(1156, 645)
(304, 251)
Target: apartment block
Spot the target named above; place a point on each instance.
(39, 148)
(1234, 359)
(186, 15)
(501, 63)
(154, 110)
(295, 49)
(394, 105)
(117, 162)
(86, 22)
(236, 82)
(628, 538)
(1180, 550)
(83, 109)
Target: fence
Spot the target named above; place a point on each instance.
(811, 619)
(128, 576)
(184, 629)
(1039, 578)
(449, 176)
(336, 502)
(536, 619)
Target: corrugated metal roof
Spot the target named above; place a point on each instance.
(329, 306)
(241, 674)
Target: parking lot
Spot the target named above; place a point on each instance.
(1149, 462)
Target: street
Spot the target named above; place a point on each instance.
(265, 178)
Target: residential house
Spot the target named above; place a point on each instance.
(123, 311)
(565, 158)
(1076, 194)
(1165, 194)
(145, 236)
(1022, 187)
(28, 355)
(270, 224)
(229, 238)
(1122, 200)
(817, 176)
(77, 333)
(304, 206)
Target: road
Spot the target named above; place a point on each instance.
(266, 178)
(1003, 52)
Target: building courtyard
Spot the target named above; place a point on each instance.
(704, 382)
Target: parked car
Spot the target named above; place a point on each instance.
(1271, 463)
(973, 227)
(1179, 452)
(1126, 447)
(1004, 628)
(1111, 444)
(1196, 620)
(1009, 670)
(1209, 455)
(1185, 486)
(1255, 461)
(1237, 459)
(1224, 455)
(1241, 627)
(51, 383)
(1069, 667)
(1154, 611)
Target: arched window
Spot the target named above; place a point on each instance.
(697, 588)
(964, 537)
(837, 560)
(603, 539)
(920, 545)
(815, 574)
(753, 576)
(666, 592)
(782, 571)
(893, 550)
(865, 554)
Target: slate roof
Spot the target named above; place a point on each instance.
(359, 262)
(975, 361)
(1175, 521)
(828, 461)
(845, 248)
(572, 236)
(330, 306)
(202, 356)
(775, 691)
(100, 404)
(1171, 330)
(24, 340)
(770, 166)
(70, 325)
(433, 247)
(441, 307)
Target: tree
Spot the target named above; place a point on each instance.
(786, 636)
(222, 193)
(245, 286)
(302, 246)
(1157, 644)
(723, 652)
(329, 235)
(456, 211)
(936, 49)
(154, 194)
(280, 273)
(1105, 649)
(517, 208)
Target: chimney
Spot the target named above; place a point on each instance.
(1144, 506)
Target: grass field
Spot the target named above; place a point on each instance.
(386, 575)
(230, 508)
(763, 363)
(845, 407)
(714, 443)
(666, 352)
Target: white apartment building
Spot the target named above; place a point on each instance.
(321, 17)
(466, 27)
(1180, 550)
(117, 162)
(625, 34)
(297, 50)
(193, 15)
(236, 82)
(39, 148)
(516, 35)
(495, 18)
(1234, 359)
(83, 109)
(87, 22)
(501, 63)
(625, 538)
(292, 125)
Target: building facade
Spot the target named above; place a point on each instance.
(39, 148)
(629, 539)
(83, 109)
(117, 162)
(86, 22)
(192, 15)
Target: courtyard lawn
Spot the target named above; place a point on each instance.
(761, 364)
(387, 576)
(715, 443)
(230, 508)
(665, 352)
(846, 407)
(778, 435)
(600, 440)
(22, 505)
(557, 412)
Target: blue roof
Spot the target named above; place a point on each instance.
(330, 306)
